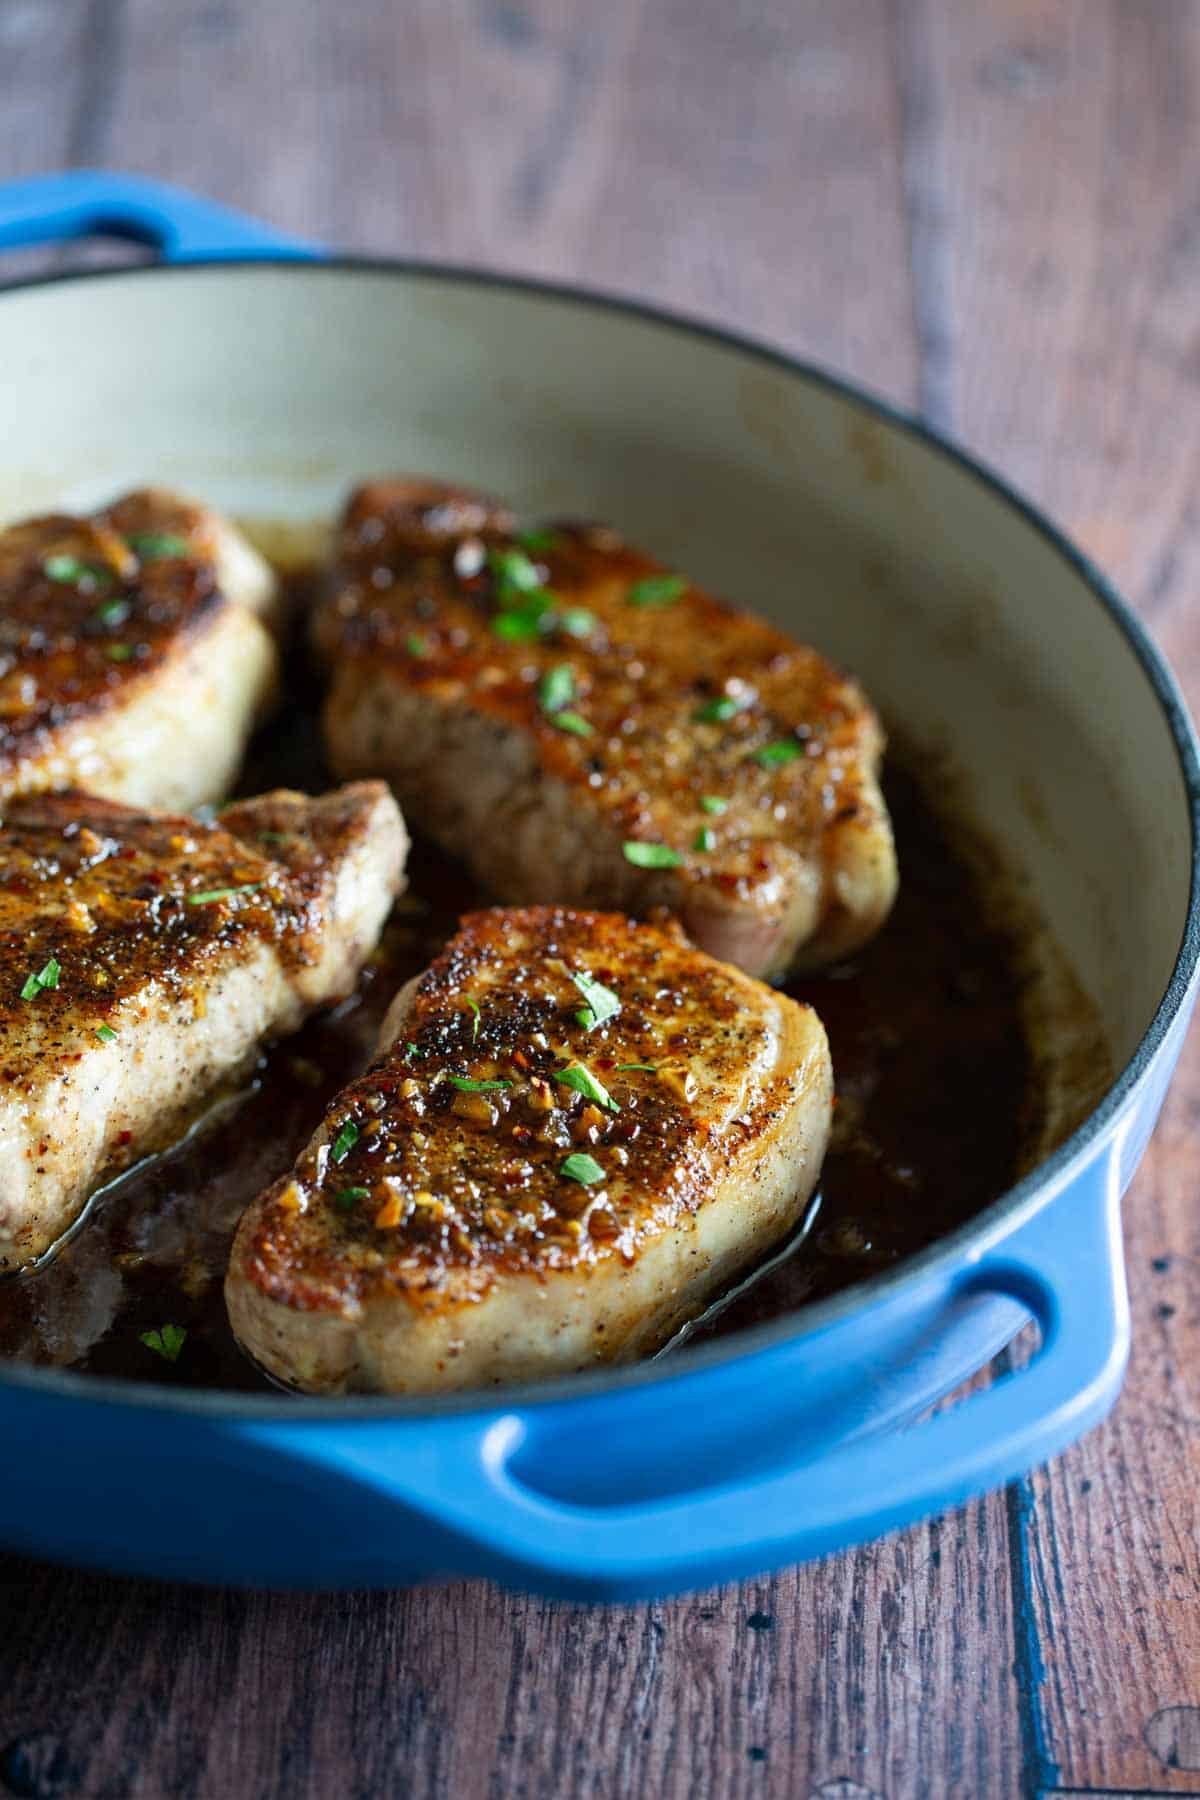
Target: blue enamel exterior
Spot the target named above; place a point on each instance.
(795, 1440)
(180, 226)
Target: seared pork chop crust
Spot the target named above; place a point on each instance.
(537, 1173)
(133, 657)
(541, 702)
(143, 957)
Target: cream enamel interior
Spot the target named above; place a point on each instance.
(267, 390)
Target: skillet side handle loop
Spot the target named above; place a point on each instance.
(182, 227)
(460, 1484)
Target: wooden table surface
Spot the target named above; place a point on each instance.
(986, 211)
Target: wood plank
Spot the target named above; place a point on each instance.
(560, 139)
(1073, 276)
(49, 105)
(842, 1672)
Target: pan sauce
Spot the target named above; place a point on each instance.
(935, 1104)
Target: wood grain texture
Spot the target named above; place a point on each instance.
(986, 210)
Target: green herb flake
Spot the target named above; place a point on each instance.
(556, 689)
(537, 540)
(166, 1342)
(119, 652)
(771, 755)
(651, 856)
(211, 896)
(519, 624)
(602, 1003)
(713, 804)
(106, 1034)
(411, 1050)
(513, 572)
(476, 1087)
(581, 1167)
(705, 839)
(416, 646)
(344, 1142)
(272, 837)
(577, 621)
(149, 544)
(647, 1068)
(74, 573)
(657, 590)
(46, 977)
(113, 612)
(725, 706)
(573, 722)
(474, 1006)
(345, 1199)
(585, 1083)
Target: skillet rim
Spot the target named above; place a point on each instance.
(1037, 1189)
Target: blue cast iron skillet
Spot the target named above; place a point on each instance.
(792, 1439)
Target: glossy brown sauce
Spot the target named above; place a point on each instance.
(934, 1083)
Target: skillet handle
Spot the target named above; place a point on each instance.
(80, 203)
(464, 1477)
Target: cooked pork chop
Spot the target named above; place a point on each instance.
(583, 726)
(144, 957)
(135, 652)
(578, 1128)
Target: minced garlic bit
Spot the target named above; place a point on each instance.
(390, 1213)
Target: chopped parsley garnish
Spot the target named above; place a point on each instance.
(647, 1068)
(581, 1167)
(45, 978)
(344, 1142)
(476, 1087)
(474, 1006)
(651, 856)
(272, 837)
(514, 573)
(602, 1003)
(411, 1050)
(74, 573)
(537, 540)
(577, 621)
(725, 706)
(113, 612)
(149, 544)
(211, 896)
(519, 623)
(713, 804)
(585, 1083)
(106, 1034)
(656, 590)
(556, 689)
(416, 646)
(166, 1342)
(119, 652)
(573, 722)
(705, 839)
(771, 755)
(346, 1198)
